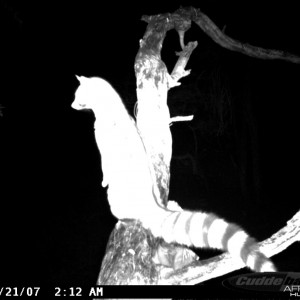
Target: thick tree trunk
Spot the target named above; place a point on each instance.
(131, 248)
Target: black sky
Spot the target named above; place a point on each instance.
(50, 215)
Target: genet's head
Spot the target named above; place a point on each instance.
(91, 92)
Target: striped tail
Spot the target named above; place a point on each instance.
(203, 230)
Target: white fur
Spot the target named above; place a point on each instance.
(126, 171)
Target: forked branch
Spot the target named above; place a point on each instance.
(214, 32)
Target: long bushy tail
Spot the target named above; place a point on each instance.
(205, 230)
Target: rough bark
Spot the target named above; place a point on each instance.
(128, 258)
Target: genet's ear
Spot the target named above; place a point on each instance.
(81, 78)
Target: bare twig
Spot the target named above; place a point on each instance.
(181, 118)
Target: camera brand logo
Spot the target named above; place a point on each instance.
(285, 282)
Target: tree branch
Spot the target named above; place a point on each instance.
(210, 28)
(200, 271)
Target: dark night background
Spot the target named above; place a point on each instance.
(55, 220)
